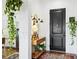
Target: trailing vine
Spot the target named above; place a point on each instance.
(11, 7)
(72, 28)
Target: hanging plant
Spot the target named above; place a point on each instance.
(11, 7)
(72, 28)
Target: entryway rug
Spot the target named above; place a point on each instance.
(52, 56)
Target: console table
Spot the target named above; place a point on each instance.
(37, 53)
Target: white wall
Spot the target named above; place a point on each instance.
(71, 9)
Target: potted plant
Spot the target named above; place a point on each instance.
(40, 47)
(72, 28)
(11, 7)
(35, 26)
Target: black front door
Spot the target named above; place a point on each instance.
(57, 29)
